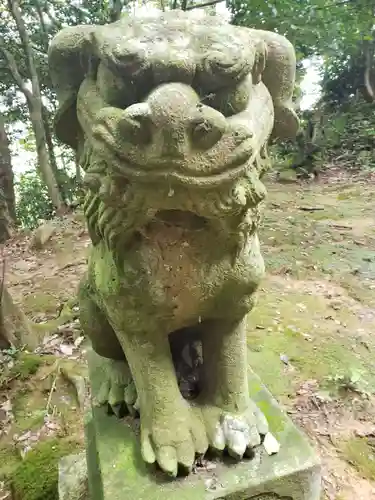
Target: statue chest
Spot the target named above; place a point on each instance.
(177, 275)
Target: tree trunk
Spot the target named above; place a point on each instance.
(34, 101)
(369, 83)
(49, 140)
(15, 330)
(44, 164)
(115, 10)
(368, 89)
(6, 183)
(78, 172)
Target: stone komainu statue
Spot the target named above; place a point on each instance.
(170, 115)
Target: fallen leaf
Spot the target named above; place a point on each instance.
(66, 349)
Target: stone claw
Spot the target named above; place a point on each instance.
(174, 442)
(239, 433)
(117, 389)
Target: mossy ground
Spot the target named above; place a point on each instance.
(360, 452)
(41, 463)
(311, 337)
(49, 421)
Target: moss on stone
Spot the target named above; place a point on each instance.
(9, 461)
(29, 422)
(42, 301)
(67, 314)
(360, 452)
(36, 478)
(25, 366)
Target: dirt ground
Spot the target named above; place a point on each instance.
(311, 337)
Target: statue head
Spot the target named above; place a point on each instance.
(168, 101)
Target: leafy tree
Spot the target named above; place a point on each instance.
(342, 31)
(32, 95)
(6, 184)
(33, 203)
(24, 39)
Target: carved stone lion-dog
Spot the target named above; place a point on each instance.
(170, 115)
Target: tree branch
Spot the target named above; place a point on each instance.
(15, 9)
(13, 68)
(115, 10)
(53, 20)
(369, 89)
(42, 25)
(206, 4)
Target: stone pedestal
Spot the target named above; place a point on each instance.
(116, 470)
(73, 478)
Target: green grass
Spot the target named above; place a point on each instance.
(360, 452)
(36, 477)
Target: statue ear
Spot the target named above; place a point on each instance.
(260, 59)
(70, 57)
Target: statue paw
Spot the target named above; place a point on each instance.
(117, 388)
(172, 438)
(238, 432)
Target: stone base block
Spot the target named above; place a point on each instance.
(116, 470)
(73, 478)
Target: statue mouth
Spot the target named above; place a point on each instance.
(184, 219)
(231, 165)
(189, 143)
(175, 170)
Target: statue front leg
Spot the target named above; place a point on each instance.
(231, 418)
(171, 433)
(116, 387)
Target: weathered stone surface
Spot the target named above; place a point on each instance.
(170, 116)
(42, 235)
(117, 471)
(73, 483)
(270, 497)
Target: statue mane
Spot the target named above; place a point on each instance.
(116, 210)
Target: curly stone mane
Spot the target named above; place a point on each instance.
(117, 209)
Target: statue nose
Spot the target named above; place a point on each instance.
(206, 128)
(136, 125)
(173, 121)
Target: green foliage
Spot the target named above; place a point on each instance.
(68, 187)
(33, 202)
(36, 478)
(350, 381)
(360, 452)
(349, 136)
(303, 22)
(25, 365)
(313, 26)
(338, 30)
(345, 138)
(43, 20)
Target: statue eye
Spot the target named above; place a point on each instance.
(115, 90)
(229, 100)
